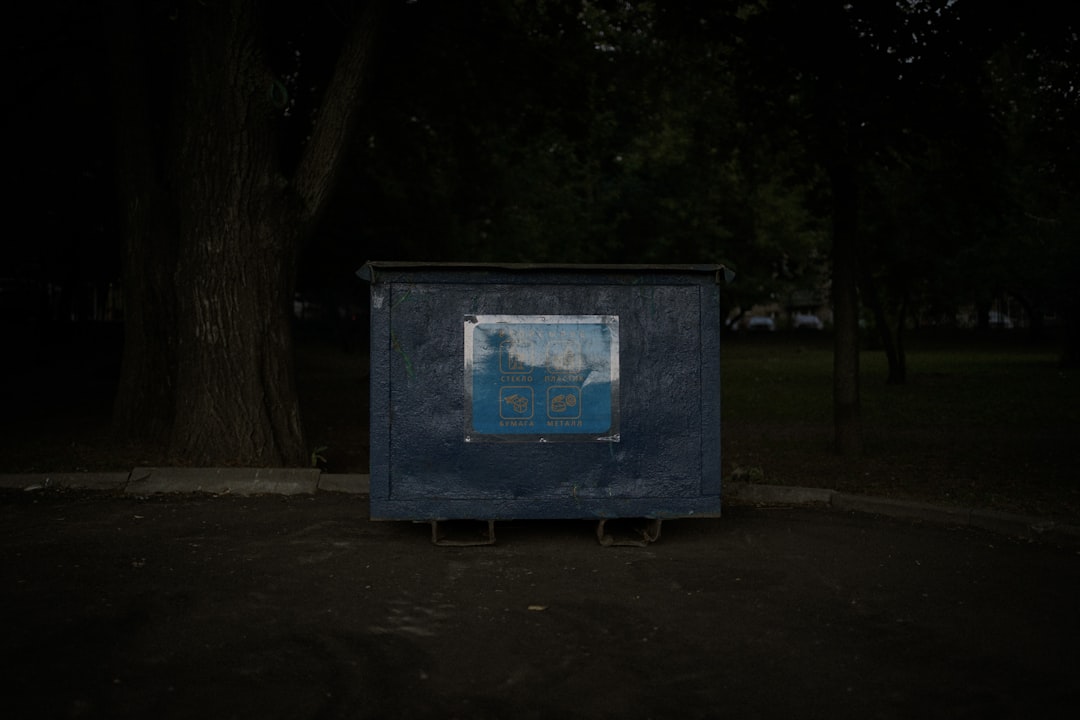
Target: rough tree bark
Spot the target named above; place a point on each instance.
(239, 223)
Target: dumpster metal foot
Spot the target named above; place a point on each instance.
(469, 539)
(638, 536)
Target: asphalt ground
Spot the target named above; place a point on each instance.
(248, 599)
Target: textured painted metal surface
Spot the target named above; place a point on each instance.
(438, 395)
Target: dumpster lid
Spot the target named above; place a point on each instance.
(369, 272)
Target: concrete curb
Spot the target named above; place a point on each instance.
(143, 481)
(776, 494)
(215, 481)
(82, 481)
(1023, 526)
(345, 483)
(220, 481)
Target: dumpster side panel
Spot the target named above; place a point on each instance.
(663, 461)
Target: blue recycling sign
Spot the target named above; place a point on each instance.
(543, 378)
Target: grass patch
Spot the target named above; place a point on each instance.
(984, 422)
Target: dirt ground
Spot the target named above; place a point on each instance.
(299, 607)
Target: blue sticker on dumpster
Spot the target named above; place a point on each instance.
(542, 378)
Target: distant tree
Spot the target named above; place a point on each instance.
(560, 132)
(1032, 83)
(975, 203)
(895, 115)
(216, 204)
(811, 85)
(928, 188)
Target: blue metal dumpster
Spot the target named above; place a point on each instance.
(544, 391)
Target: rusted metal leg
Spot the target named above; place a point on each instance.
(438, 534)
(639, 536)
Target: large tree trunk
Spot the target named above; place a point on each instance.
(210, 265)
(846, 403)
(236, 400)
(236, 396)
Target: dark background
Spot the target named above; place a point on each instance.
(692, 132)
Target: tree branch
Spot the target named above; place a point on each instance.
(324, 152)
